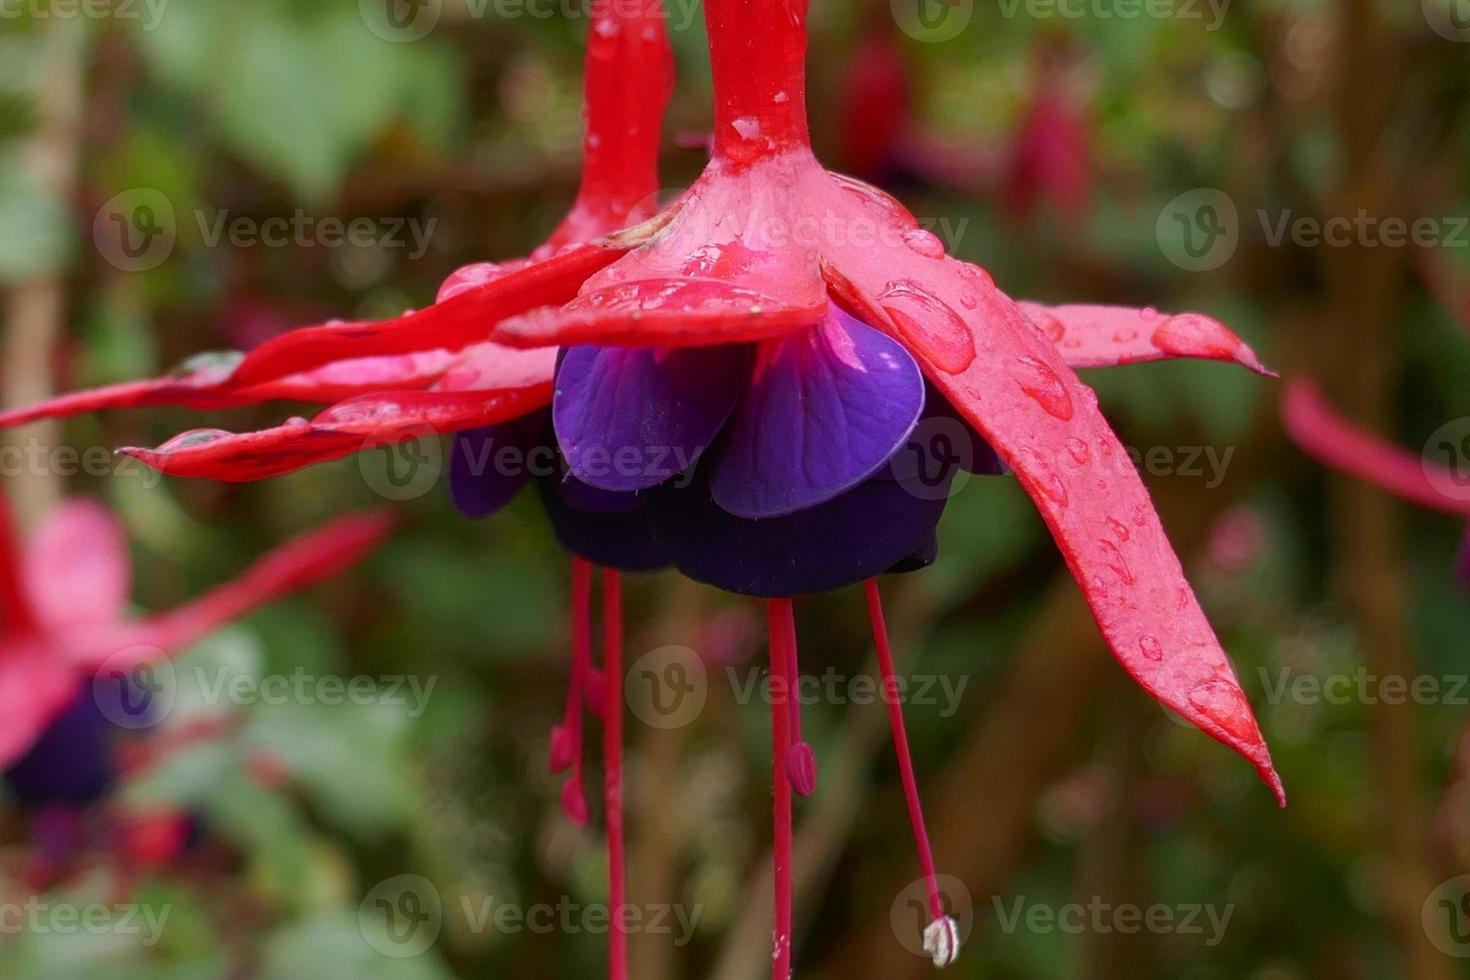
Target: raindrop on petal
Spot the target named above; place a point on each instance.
(929, 324)
(1045, 386)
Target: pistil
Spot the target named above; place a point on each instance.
(941, 937)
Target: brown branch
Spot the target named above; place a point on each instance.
(36, 309)
(1364, 294)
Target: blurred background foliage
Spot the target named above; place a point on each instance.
(1055, 781)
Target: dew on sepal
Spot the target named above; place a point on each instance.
(194, 439)
(1151, 648)
(930, 324)
(1044, 385)
(924, 242)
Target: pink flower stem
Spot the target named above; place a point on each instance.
(612, 742)
(901, 747)
(783, 643)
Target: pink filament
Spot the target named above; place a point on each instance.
(612, 744)
(783, 645)
(566, 741)
(901, 748)
(801, 763)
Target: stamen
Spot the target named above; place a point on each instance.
(782, 632)
(16, 611)
(566, 738)
(612, 743)
(801, 761)
(941, 937)
(594, 695)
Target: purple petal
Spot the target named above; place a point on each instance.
(591, 499)
(72, 761)
(878, 526)
(489, 466)
(828, 408)
(629, 419)
(618, 539)
(922, 557)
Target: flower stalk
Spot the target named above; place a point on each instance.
(758, 60)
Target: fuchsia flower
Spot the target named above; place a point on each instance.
(778, 334)
(1046, 164)
(64, 597)
(1050, 161)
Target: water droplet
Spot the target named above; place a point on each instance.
(1045, 386)
(1151, 648)
(1046, 478)
(1113, 558)
(925, 243)
(194, 439)
(968, 301)
(1125, 336)
(1050, 326)
(1148, 314)
(1190, 334)
(1119, 529)
(1140, 515)
(296, 422)
(874, 199)
(748, 127)
(928, 323)
(977, 276)
(1225, 705)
